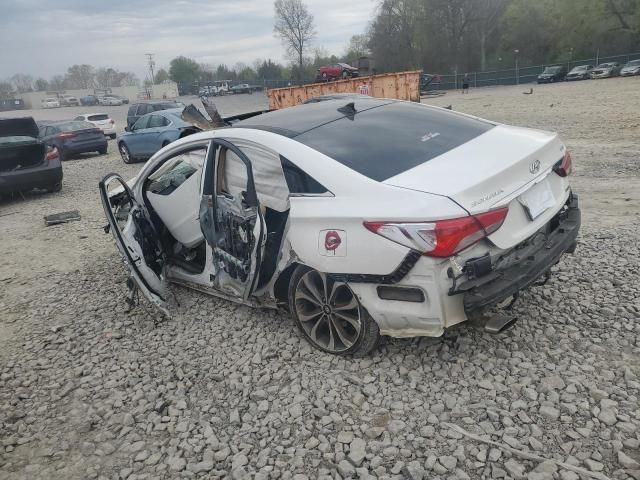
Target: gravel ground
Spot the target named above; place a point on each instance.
(90, 390)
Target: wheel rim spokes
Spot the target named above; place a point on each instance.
(328, 311)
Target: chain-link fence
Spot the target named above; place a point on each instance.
(515, 76)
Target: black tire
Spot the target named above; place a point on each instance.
(360, 342)
(112, 136)
(62, 155)
(125, 153)
(103, 151)
(56, 187)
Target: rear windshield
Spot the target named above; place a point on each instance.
(165, 106)
(17, 139)
(95, 118)
(74, 126)
(385, 141)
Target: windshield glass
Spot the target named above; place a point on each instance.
(74, 126)
(552, 69)
(361, 142)
(634, 63)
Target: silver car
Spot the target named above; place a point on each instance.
(631, 68)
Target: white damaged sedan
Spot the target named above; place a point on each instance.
(363, 217)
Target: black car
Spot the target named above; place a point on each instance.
(71, 137)
(136, 110)
(555, 73)
(581, 72)
(25, 161)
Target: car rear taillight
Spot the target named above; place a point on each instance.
(66, 135)
(442, 238)
(52, 154)
(563, 167)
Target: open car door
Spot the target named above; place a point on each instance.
(231, 219)
(136, 239)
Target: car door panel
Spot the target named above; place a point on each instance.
(231, 219)
(136, 239)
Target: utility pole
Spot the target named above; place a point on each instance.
(151, 65)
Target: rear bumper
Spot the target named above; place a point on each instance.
(92, 146)
(108, 130)
(526, 264)
(44, 176)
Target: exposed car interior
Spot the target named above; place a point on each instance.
(175, 188)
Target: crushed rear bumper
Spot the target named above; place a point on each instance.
(506, 275)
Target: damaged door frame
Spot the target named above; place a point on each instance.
(209, 216)
(140, 281)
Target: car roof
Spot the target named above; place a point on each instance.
(154, 102)
(294, 121)
(91, 114)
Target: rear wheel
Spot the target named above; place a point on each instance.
(124, 153)
(103, 151)
(329, 314)
(112, 136)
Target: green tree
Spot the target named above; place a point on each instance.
(358, 47)
(161, 76)
(269, 70)
(184, 71)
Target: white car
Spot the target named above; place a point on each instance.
(102, 121)
(50, 102)
(631, 68)
(364, 217)
(109, 101)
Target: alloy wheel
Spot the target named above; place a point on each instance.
(124, 153)
(328, 312)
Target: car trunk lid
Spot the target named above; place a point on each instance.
(19, 146)
(495, 170)
(13, 127)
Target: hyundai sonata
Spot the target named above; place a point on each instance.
(362, 217)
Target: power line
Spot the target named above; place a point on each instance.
(152, 64)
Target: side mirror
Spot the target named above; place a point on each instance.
(127, 128)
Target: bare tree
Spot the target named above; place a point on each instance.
(294, 27)
(22, 82)
(41, 85)
(80, 76)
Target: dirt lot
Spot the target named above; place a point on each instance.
(89, 390)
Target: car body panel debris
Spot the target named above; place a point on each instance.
(63, 217)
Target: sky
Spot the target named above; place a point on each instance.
(43, 37)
